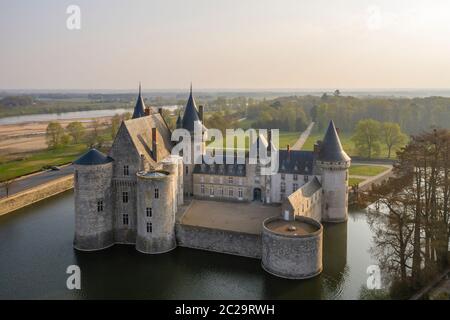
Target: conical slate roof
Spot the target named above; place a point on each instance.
(190, 115)
(140, 106)
(331, 149)
(93, 157)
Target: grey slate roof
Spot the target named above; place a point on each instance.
(331, 149)
(139, 109)
(224, 169)
(190, 113)
(93, 157)
(296, 162)
(311, 187)
(140, 132)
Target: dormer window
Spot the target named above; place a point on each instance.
(126, 170)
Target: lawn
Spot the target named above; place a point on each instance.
(285, 138)
(366, 170)
(354, 181)
(36, 161)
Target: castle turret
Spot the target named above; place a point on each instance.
(334, 164)
(139, 109)
(191, 120)
(155, 211)
(93, 204)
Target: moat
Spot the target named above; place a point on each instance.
(36, 248)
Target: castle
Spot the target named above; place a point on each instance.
(133, 194)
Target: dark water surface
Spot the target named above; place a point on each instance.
(36, 248)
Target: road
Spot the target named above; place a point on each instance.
(36, 179)
(301, 141)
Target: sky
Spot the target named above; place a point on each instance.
(225, 44)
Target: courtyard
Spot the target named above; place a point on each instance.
(239, 217)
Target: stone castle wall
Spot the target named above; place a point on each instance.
(36, 194)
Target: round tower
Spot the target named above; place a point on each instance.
(93, 205)
(155, 212)
(333, 163)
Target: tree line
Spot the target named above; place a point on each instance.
(94, 135)
(292, 113)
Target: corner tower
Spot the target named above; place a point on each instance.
(334, 164)
(93, 204)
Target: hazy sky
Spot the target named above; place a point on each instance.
(252, 44)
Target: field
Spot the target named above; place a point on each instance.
(354, 181)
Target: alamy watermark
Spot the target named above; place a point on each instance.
(262, 148)
(74, 280)
(73, 21)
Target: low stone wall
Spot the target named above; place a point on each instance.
(32, 195)
(223, 241)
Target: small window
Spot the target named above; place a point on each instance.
(148, 212)
(156, 193)
(283, 176)
(100, 206)
(211, 191)
(187, 170)
(230, 180)
(125, 197)
(230, 192)
(306, 178)
(126, 171)
(294, 187)
(283, 187)
(202, 188)
(221, 191)
(240, 193)
(125, 219)
(295, 177)
(149, 227)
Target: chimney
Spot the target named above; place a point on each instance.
(155, 144)
(200, 113)
(288, 147)
(147, 111)
(160, 110)
(269, 142)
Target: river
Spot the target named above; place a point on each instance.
(68, 115)
(36, 248)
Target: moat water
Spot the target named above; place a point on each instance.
(36, 249)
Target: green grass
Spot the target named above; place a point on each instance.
(354, 181)
(347, 144)
(285, 138)
(366, 170)
(36, 161)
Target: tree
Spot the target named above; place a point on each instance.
(94, 138)
(367, 137)
(115, 123)
(392, 136)
(54, 135)
(337, 93)
(76, 131)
